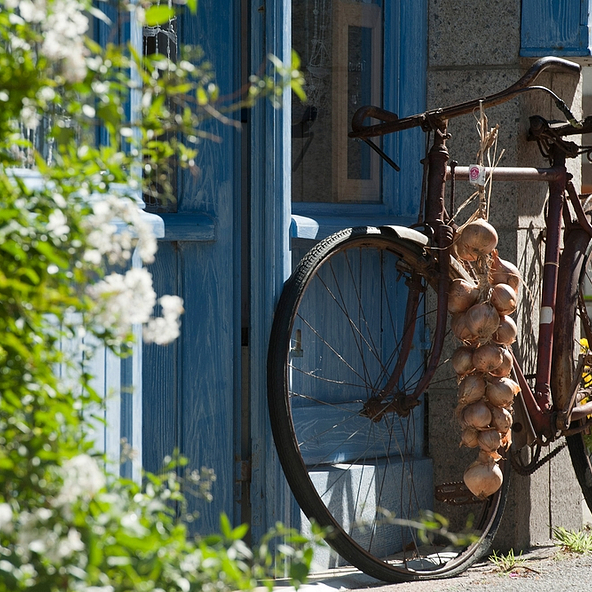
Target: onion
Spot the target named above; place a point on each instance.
(469, 437)
(503, 297)
(483, 478)
(463, 252)
(504, 272)
(477, 415)
(471, 389)
(476, 239)
(505, 367)
(482, 320)
(462, 360)
(506, 332)
(488, 357)
(461, 295)
(501, 419)
(459, 327)
(489, 440)
(500, 392)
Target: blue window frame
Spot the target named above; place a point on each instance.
(356, 53)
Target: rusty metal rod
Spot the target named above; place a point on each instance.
(510, 173)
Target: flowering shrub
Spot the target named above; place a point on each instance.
(66, 246)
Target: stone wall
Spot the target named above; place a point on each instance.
(474, 51)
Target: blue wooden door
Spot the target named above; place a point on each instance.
(227, 248)
(192, 387)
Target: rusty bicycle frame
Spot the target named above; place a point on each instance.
(549, 417)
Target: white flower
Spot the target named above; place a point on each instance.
(163, 330)
(123, 300)
(58, 223)
(18, 43)
(43, 514)
(65, 547)
(82, 480)
(6, 524)
(32, 12)
(133, 526)
(64, 28)
(75, 64)
(105, 239)
(171, 305)
(46, 94)
(29, 115)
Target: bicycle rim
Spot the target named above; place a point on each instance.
(574, 310)
(339, 335)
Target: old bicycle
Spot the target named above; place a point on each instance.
(357, 343)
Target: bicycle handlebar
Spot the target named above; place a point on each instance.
(391, 123)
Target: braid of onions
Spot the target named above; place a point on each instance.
(480, 318)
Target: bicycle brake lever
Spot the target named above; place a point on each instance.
(541, 131)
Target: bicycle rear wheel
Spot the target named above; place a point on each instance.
(574, 312)
(354, 317)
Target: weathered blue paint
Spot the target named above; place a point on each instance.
(270, 257)
(555, 27)
(189, 227)
(191, 386)
(193, 394)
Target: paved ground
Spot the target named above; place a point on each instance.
(543, 569)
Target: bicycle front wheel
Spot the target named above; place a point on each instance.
(574, 336)
(350, 336)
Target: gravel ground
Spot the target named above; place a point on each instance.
(542, 569)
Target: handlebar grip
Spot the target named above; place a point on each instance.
(540, 66)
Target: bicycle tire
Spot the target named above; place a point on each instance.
(575, 271)
(311, 378)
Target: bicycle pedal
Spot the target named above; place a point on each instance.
(455, 494)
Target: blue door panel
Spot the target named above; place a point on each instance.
(189, 386)
(160, 368)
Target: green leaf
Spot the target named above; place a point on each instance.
(225, 526)
(240, 531)
(202, 96)
(159, 14)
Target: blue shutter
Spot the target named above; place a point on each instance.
(555, 27)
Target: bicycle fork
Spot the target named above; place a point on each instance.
(389, 399)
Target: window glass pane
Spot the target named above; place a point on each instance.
(162, 40)
(359, 85)
(340, 44)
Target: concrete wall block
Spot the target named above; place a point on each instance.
(475, 53)
(463, 33)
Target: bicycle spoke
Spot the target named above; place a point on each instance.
(354, 458)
